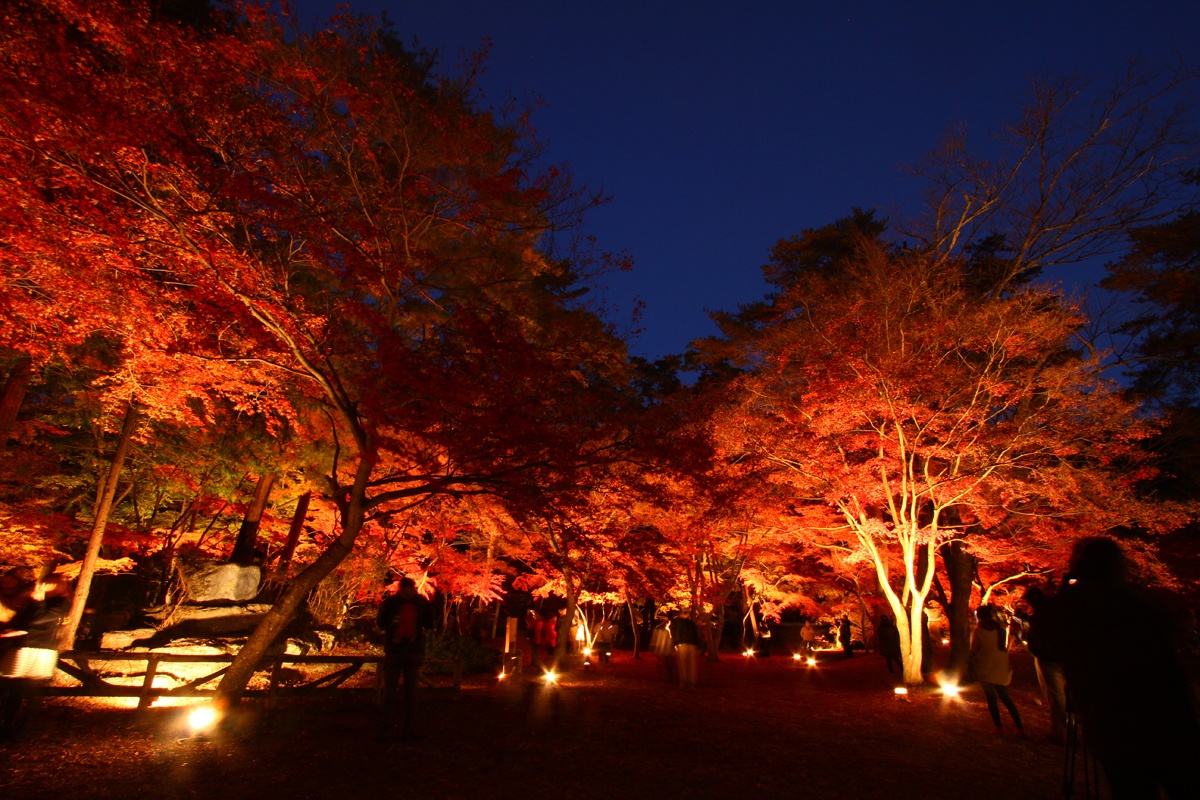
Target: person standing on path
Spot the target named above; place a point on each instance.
(889, 643)
(990, 665)
(1049, 672)
(403, 618)
(844, 635)
(1135, 703)
(808, 635)
(686, 638)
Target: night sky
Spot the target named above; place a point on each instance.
(719, 127)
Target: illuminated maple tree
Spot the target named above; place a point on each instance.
(303, 224)
(900, 411)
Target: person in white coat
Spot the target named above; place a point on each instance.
(990, 665)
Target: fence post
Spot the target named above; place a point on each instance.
(145, 698)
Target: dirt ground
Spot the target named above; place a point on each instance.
(763, 727)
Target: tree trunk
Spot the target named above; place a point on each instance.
(289, 549)
(565, 620)
(233, 682)
(84, 585)
(960, 574)
(633, 624)
(14, 395)
(243, 548)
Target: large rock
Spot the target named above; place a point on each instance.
(206, 582)
(119, 640)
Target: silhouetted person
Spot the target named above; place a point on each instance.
(1135, 707)
(1049, 672)
(664, 648)
(686, 638)
(844, 634)
(606, 637)
(403, 618)
(991, 667)
(889, 643)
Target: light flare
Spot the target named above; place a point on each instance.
(202, 718)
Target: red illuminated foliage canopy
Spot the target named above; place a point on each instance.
(899, 411)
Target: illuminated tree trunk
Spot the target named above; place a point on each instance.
(297, 527)
(564, 620)
(960, 573)
(14, 394)
(243, 548)
(634, 624)
(84, 584)
(233, 683)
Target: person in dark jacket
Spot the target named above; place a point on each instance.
(889, 643)
(403, 618)
(1133, 699)
(844, 637)
(1049, 672)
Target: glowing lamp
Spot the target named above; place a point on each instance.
(587, 651)
(202, 718)
(899, 690)
(749, 653)
(502, 675)
(797, 657)
(950, 689)
(812, 662)
(551, 677)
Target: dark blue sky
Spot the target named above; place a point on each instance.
(720, 127)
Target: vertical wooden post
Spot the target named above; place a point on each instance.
(271, 693)
(147, 697)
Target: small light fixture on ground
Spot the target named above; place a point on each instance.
(551, 677)
(502, 675)
(812, 661)
(901, 690)
(950, 689)
(749, 653)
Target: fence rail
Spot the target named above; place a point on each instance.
(81, 666)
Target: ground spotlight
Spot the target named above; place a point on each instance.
(202, 718)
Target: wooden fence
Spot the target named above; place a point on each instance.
(82, 666)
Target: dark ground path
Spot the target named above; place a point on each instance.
(765, 728)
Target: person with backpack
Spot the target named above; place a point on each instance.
(403, 618)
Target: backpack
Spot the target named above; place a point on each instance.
(405, 627)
